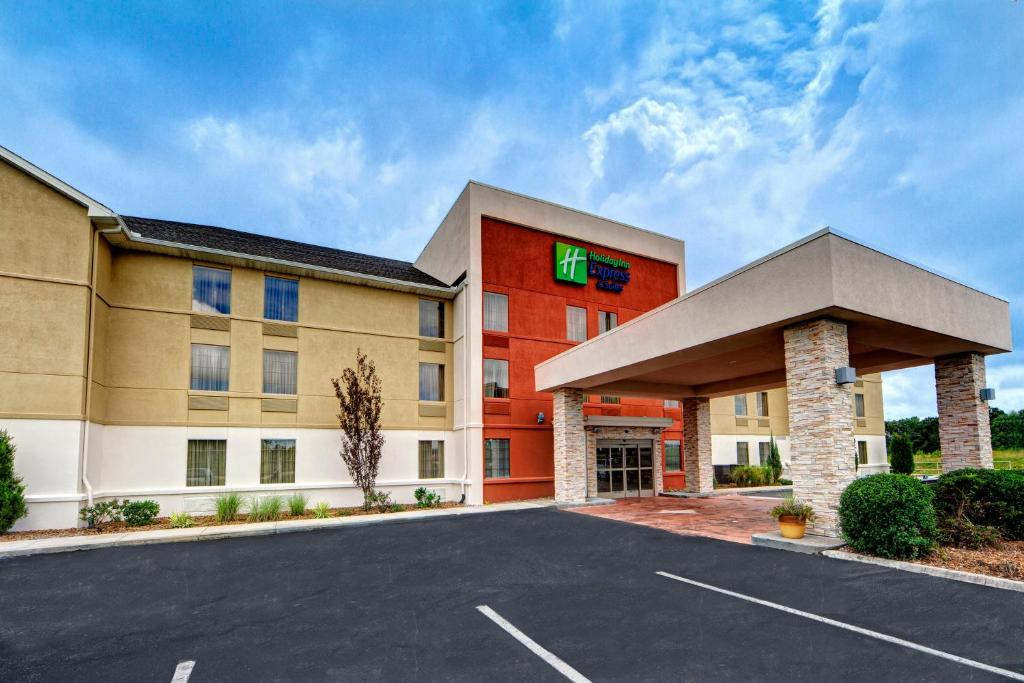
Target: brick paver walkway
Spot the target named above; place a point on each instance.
(729, 518)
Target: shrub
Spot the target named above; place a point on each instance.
(181, 520)
(139, 512)
(264, 509)
(791, 507)
(297, 504)
(747, 475)
(322, 510)
(889, 515)
(379, 501)
(396, 507)
(971, 503)
(901, 459)
(101, 513)
(12, 490)
(228, 506)
(774, 462)
(426, 498)
(785, 482)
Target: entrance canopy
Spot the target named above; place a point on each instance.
(727, 337)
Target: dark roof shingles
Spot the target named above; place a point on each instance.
(235, 241)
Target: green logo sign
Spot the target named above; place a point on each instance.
(570, 263)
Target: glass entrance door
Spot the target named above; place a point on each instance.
(625, 469)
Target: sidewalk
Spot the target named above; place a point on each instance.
(65, 544)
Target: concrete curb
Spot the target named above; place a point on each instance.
(65, 544)
(809, 544)
(955, 575)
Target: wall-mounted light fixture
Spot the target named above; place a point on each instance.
(987, 394)
(846, 376)
(540, 418)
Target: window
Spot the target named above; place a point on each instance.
(277, 461)
(858, 405)
(762, 404)
(495, 378)
(606, 321)
(742, 453)
(611, 399)
(575, 323)
(763, 451)
(862, 452)
(211, 290)
(279, 372)
(496, 459)
(210, 366)
(739, 405)
(207, 459)
(431, 318)
(495, 312)
(670, 403)
(280, 298)
(672, 460)
(431, 382)
(431, 459)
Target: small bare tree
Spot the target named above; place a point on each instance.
(359, 409)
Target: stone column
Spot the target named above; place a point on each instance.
(700, 475)
(965, 436)
(822, 445)
(570, 447)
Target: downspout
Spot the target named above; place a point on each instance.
(83, 449)
(467, 362)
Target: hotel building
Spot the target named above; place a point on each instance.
(146, 358)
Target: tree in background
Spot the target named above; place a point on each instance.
(1007, 429)
(923, 433)
(901, 455)
(359, 411)
(12, 491)
(774, 462)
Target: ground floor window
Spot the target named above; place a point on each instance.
(763, 452)
(496, 458)
(277, 461)
(742, 453)
(673, 463)
(431, 459)
(862, 452)
(610, 399)
(207, 460)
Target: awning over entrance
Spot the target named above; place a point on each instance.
(727, 337)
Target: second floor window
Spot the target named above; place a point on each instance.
(280, 372)
(739, 405)
(610, 399)
(670, 403)
(211, 290)
(431, 382)
(495, 312)
(762, 404)
(280, 298)
(606, 321)
(858, 405)
(210, 367)
(575, 323)
(431, 318)
(495, 378)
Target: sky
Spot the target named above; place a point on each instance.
(738, 125)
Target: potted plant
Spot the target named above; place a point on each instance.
(793, 516)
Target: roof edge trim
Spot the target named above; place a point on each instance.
(96, 209)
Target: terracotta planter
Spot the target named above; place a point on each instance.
(791, 526)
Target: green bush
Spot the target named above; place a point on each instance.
(889, 515)
(12, 490)
(139, 512)
(297, 504)
(774, 462)
(785, 482)
(379, 501)
(181, 520)
(322, 510)
(264, 509)
(426, 498)
(901, 457)
(971, 503)
(792, 507)
(750, 475)
(100, 514)
(228, 506)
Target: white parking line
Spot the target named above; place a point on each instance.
(183, 671)
(559, 666)
(850, 627)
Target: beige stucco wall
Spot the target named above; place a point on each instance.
(146, 365)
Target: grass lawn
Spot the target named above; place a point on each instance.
(928, 463)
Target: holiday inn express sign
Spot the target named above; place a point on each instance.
(576, 264)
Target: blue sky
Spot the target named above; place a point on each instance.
(738, 126)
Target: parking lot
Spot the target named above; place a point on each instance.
(417, 601)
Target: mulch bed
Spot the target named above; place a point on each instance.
(1005, 562)
(204, 520)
